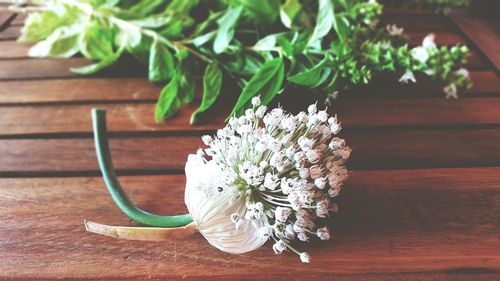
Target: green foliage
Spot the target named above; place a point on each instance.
(263, 45)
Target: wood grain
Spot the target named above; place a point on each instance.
(485, 33)
(372, 149)
(5, 17)
(411, 224)
(78, 90)
(10, 33)
(138, 89)
(354, 113)
(39, 68)
(422, 202)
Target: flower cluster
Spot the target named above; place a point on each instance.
(286, 167)
(428, 59)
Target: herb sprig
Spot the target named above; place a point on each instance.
(327, 46)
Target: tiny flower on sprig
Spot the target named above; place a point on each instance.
(288, 168)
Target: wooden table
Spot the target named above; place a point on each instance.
(422, 201)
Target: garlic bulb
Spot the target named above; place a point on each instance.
(211, 206)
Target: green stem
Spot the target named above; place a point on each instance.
(115, 190)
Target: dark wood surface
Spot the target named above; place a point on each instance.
(422, 201)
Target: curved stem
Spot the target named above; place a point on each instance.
(115, 190)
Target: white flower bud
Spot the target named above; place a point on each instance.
(315, 171)
(305, 143)
(451, 91)
(323, 233)
(320, 182)
(322, 116)
(271, 181)
(256, 101)
(428, 42)
(420, 54)
(312, 109)
(322, 209)
(289, 233)
(304, 173)
(206, 139)
(282, 213)
(336, 143)
(302, 236)
(279, 247)
(261, 111)
(313, 156)
(333, 192)
(285, 186)
(305, 258)
(408, 76)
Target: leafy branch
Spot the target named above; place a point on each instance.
(263, 45)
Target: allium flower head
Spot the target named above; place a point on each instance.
(286, 168)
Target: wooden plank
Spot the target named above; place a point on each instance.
(442, 38)
(14, 50)
(139, 89)
(484, 83)
(484, 32)
(5, 17)
(18, 20)
(39, 68)
(372, 149)
(404, 225)
(10, 33)
(410, 21)
(354, 113)
(78, 90)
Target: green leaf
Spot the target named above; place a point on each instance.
(341, 26)
(62, 43)
(168, 103)
(264, 12)
(309, 77)
(96, 67)
(212, 82)
(96, 41)
(39, 26)
(202, 39)
(161, 62)
(186, 85)
(225, 33)
(266, 44)
(289, 11)
(266, 82)
(154, 21)
(145, 7)
(324, 21)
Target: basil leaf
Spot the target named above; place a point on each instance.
(289, 11)
(212, 82)
(62, 43)
(96, 67)
(341, 26)
(266, 82)
(145, 7)
(96, 41)
(186, 85)
(264, 12)
(324, 22)
(225, 33)
(161, 62)
(309, 77)
(168, 103)
(39, 26)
